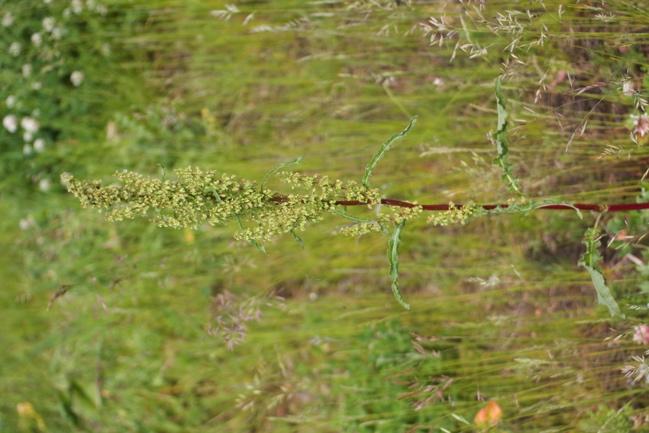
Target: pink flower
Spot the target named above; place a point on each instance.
(641, 334)
(641, 126)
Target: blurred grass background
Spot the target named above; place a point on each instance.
(118, 327)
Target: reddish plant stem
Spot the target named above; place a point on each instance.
(597, 207)
(618, 207)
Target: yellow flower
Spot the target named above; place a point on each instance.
(29, 418)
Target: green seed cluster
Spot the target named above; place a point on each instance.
(194, 196)
(399, 215)
(392, 217)
(311, 198)
(293, 214)
(360, 229)
(454, 215)
(325, 189)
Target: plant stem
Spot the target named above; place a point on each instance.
(597, 207)
(618, 207)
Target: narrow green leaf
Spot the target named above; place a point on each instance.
(393, 255)
(279, 168)
(500, 138)
(383, 150)
(604, 295)
(297, 238)
(590, 261)
(349, 217)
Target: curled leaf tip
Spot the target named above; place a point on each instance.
(383, 150)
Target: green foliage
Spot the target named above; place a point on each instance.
(164, 133)
(607, 420)
(456, 215)
(381, 396)
(106, 322)
(196, 197)
(58, 63)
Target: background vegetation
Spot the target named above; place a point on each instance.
(131, 328)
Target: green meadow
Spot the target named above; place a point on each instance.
(517, 323)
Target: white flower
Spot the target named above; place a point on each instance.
(37, 85)
(28, 137)
(26, 223)
(226, 13)
(10, 101)
(44, 185)
(15, 48)
(7, 19)
(57, 32)
(76, 78)
(638, 372)
(39, 145)
(27, 150)
(48, 24)
(27, 70)
(628, 88)
(10, 122)
(77, 6)
(37, 39)
(29, 124)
